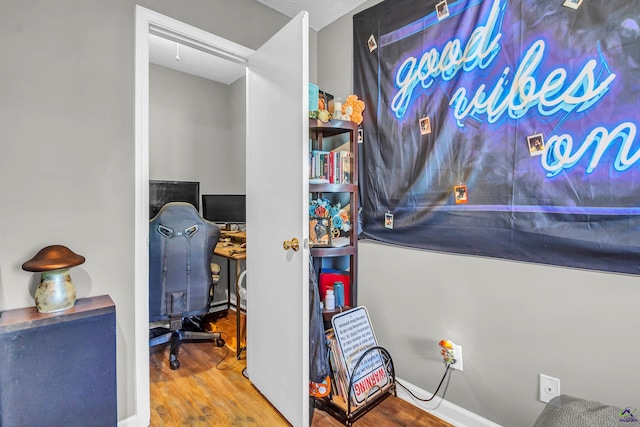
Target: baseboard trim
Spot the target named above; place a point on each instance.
(132, 421)
(446, 411)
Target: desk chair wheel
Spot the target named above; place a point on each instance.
(174, 363)
(219, 342)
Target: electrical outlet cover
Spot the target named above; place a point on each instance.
(549, 388)
(457, 349)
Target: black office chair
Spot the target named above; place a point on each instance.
(181, 245)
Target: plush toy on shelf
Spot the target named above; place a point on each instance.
(352, 108)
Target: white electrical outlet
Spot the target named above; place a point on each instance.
(457, 352)
(549, 388)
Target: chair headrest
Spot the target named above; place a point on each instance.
(179, 214)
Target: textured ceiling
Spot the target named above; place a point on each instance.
(321, 12)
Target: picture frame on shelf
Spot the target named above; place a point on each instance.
(326, 101)
(320, 232)
(339, 238)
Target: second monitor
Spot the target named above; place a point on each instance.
(224, 208)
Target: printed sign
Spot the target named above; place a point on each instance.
(354, 334)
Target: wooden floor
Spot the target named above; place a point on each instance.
(210, 390)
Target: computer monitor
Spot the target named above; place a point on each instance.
(224, 208)
(163, 192)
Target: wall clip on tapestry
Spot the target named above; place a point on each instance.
(388, 220)
(425, 125)
(536, 144)
(460, 193)
(573, 4)
(372, 43)
(442, 10)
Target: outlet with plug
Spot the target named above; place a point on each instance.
(451, 354)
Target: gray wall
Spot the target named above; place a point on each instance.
(238, 119)
(67, 141)
(514, 320)
(196, 131)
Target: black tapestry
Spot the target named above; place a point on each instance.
(503, 128)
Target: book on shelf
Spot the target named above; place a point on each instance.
(345, 169)
(352, 335)
(334, 166)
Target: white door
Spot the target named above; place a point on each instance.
(277, 210)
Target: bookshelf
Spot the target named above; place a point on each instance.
(333, 173)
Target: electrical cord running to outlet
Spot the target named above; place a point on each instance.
(446, 371)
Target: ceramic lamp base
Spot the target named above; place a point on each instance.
(55, 292)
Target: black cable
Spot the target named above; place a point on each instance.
(434, 394)
(224, 357)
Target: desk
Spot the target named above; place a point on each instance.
(237, 237)
(229, 252)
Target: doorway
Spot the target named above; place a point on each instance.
(147, 23)
(278, 70)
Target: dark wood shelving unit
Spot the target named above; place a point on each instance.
(318, 132)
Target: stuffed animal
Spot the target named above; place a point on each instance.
(353, 108)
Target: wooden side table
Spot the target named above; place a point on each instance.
(59, 369)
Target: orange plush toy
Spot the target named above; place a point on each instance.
(353, 107)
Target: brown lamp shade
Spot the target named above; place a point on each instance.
(53, 257)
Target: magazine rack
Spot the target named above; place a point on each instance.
(345, 412)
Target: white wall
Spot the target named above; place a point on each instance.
(514, 320)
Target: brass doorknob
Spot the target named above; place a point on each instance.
(291, 244)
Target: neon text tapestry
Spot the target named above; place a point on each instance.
(503, 128)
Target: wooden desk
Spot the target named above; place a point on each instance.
(237, 237)
(229, 252)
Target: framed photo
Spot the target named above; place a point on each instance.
(325, 101)
(460, 193)
(442, 10)
(536, 144)
(319, 231)
(573, 4)
(425, 126)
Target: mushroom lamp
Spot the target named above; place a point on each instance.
(56, 291)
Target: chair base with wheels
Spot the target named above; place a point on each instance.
(179, 332)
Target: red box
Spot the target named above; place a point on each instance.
(326, 279)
